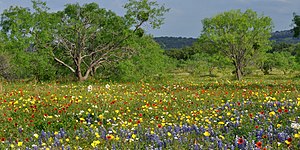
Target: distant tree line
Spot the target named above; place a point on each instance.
(168, 43)
(174, 42)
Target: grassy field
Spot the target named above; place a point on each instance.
(203, 113)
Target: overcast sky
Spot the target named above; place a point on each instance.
(184, 18)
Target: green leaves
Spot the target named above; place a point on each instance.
(140, 11)
(240, 36)
(296, 21)
(80, 37)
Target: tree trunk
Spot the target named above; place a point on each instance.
(211, 70)
(78, 73)
(238, 72)
(1, 88)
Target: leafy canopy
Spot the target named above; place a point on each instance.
(240, 36)
(297, 25)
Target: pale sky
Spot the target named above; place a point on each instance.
(184, 18)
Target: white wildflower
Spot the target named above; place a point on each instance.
(107, 86)
(90, 88)
(295, 126)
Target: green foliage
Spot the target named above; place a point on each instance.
(169, 43)
(147, 63)
(89, 37)
(296, 21)
(80, 38)
(285, 62)
(240, 36)
(282, 47)
(180, 54)
(4, 66)
(202, 64)
(140, 11)
(267, 63)
(297, 51)
(24, 32)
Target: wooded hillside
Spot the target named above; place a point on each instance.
(285, 36)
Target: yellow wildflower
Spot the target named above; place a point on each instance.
(133, 136)
(297, 135)
(206, 133)
(221, 122)
(272, 113)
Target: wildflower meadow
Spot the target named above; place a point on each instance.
(168, 115)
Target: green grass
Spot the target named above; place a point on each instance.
(181, 113)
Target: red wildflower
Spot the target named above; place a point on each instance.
(10, 119)
(165, 108)
(256, 127)
(258, 144)
(138, 122)
(279, 110)
(240, 141)
(286, 110)
(159, 126)
(250, 115)
(141, 115)
(2, 139)
(289, 139)
(109, 137)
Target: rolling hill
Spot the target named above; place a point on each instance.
(166, 43)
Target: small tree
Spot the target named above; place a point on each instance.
(147, 63)
(297, 25)
(285, 62)
(267, 63)
(239, 36)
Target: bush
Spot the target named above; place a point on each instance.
(5, 67)
(148, 63)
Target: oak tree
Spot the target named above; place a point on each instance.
(89, 36)
(240, 36)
